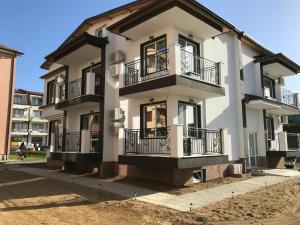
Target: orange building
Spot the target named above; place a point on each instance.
(7, 72)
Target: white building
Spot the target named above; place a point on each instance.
(162, 89)
(28, 126)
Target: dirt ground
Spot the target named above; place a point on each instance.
(27, 199)
(180, 190)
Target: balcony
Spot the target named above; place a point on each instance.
(176, 71)
(78, 91)
(20, 117)
(289, 98)
(176, 146)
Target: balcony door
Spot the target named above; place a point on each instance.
(96, 69)
(154, 56)
(189, 115)
(252, 151)
(190, 50)
(269, 88)
(154, 120)
(91, 124)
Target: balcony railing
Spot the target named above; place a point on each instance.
(147, 68)
(139, 143)
(40, 131)
(198, 68)
(20, 116)
(72, 142)
(20, 130)
(289, 98)
(74, 90)
(157, 65)
(198, 141)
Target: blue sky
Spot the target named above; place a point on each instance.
(37, 27)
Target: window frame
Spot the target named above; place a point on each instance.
(50, 98)
(272, 89)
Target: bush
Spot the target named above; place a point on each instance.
(30, 153)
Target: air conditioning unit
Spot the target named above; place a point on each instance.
(235, 169)
(116, 70)
(117, 57)
(285, 120)
(281, 81)
(117, 114)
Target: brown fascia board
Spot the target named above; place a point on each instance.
(279, 58)
(11, 50)
(54, 72)
(84, 38)
(22, 91)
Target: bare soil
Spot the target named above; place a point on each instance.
(180, 190)
(27, 199)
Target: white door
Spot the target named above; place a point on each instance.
(252, 151)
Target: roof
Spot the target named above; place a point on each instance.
(141, 6)
(101, 17)
(5, 48)
(22, 91)
(279, 58)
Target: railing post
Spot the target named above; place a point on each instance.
(283, 144)
(224, 140)
(176, 135)
(174, 57)
(90, 83)
(297, 100)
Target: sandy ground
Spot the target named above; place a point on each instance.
(27, 199)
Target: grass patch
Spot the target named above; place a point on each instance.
(28, 158)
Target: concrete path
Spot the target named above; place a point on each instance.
(181, 203)
(281, 172)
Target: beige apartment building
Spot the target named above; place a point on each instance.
(7, 71)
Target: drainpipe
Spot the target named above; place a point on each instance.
(8, 124)
(240, 95)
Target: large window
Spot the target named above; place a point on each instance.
(51, 92)
(270, 128)
(20, 127)
(38, 127)
(269, 87)
(154, 55)
(154, 120)
(36, 101)
(37, 114)
(19, 113)
(18, 99)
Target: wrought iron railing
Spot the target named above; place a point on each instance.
(148, 142)
(198, 68)
(147, 68)
(198, 141)
(289, 98)
(293, 140)
(72, 142)
(70, 90)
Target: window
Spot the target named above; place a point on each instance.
(19, 139)
(269, 87)
(154, 55)
(154, 120)
(51, 92)
(37, 114)
(189, 52)
(36, 101)
(20, 127)
(38, 127)
(19, 113)
(270, 128)
(18, 99)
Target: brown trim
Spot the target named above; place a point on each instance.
(14, 51)
(242, 74)
(77, 101)
(54, 72)
(10, 96)
(168, 81)
(281, 59)
(244, 113)
(64, 131)
(83, 39)
(22, 91)
(172, 163)
(156, 8)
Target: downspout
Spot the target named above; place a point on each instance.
(240, 94)
(8, 124)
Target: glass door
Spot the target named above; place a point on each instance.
(96, 69)
(155, 56)
(189, 54)
(91, 124)
(252, 151)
